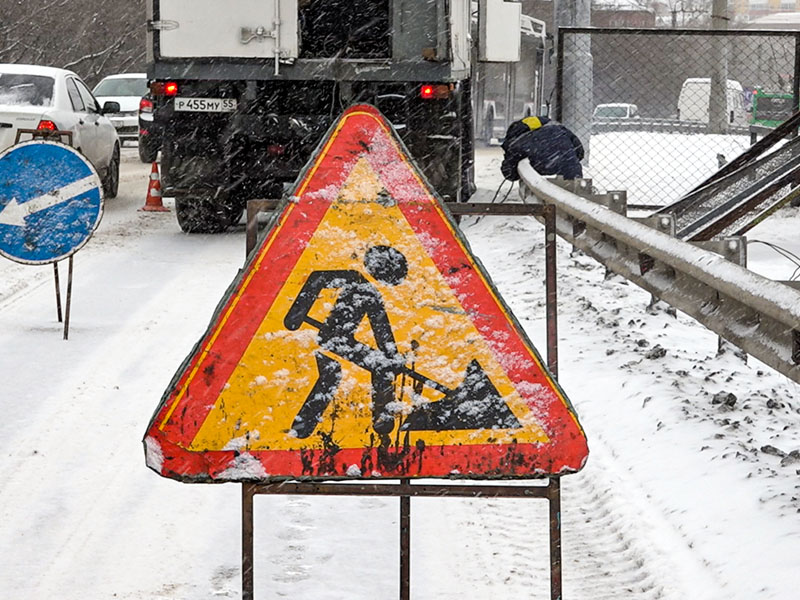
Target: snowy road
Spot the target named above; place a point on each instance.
(691, 488)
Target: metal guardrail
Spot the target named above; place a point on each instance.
(757, 314)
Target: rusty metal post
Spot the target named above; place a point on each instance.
(553, 484)
(550, 288)
(405, 545)
(254, 207)
(251, 230)
(559, 112)
(796, 79)
(58, 292)
(247, 541)
(554, 498)
(69, 299)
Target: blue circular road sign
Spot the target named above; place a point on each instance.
(50, 202)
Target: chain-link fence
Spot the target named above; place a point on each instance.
(662, 109)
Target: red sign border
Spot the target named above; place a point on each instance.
(361, 132)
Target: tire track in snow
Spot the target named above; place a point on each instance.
(324, 547)
(83, 411)
(615, 544)
(22, 280)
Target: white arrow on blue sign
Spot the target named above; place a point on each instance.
(50, 202)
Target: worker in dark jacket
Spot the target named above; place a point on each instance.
(551, 148)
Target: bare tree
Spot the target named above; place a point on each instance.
(94, 38)
(689, 13)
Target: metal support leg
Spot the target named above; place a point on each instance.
(405, 546)
(554, 497)
(58, 292)
(554, 484)
(247, 541)
(551, 289)
(251, 231)
(69, 299)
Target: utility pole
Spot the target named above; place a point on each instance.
(718, 117)
(577, 78)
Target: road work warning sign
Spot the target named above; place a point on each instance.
(363, 340)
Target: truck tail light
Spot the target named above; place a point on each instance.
(46, 125)
(164, 88)
(434, 91)
(145, 105)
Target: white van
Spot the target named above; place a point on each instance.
(694, 97)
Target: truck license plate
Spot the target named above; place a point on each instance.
(205, 104)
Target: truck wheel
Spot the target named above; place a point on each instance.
(201, 215)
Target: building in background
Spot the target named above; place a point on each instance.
(779, 20)
(750, 10)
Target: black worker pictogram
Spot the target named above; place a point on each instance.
(474, 404)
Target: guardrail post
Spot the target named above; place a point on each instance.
(580, 187)
(665, 224)
(734, 249)
(616, 200)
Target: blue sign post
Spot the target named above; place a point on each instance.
(50, 205)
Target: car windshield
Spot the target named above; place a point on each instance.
(26, 90)
(611, 112)
(121, 86)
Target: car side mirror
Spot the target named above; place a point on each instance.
(110, 107)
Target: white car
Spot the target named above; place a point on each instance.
(47, 99)
(127, 89)
(616, 110)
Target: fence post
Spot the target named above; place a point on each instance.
(796, 80)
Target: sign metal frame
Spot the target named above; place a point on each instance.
(405, 489)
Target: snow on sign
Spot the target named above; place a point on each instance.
(50, 202)
(362, 340)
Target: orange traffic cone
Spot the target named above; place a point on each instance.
(153, 201)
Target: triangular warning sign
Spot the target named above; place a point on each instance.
(363, 340)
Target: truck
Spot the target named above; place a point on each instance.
(242, 91)
(770, 109)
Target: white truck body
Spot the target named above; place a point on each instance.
(243, 90)
(233, 28)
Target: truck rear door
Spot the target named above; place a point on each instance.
(226, 28)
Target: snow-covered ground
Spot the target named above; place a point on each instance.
(692, 487)
(658, 168)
